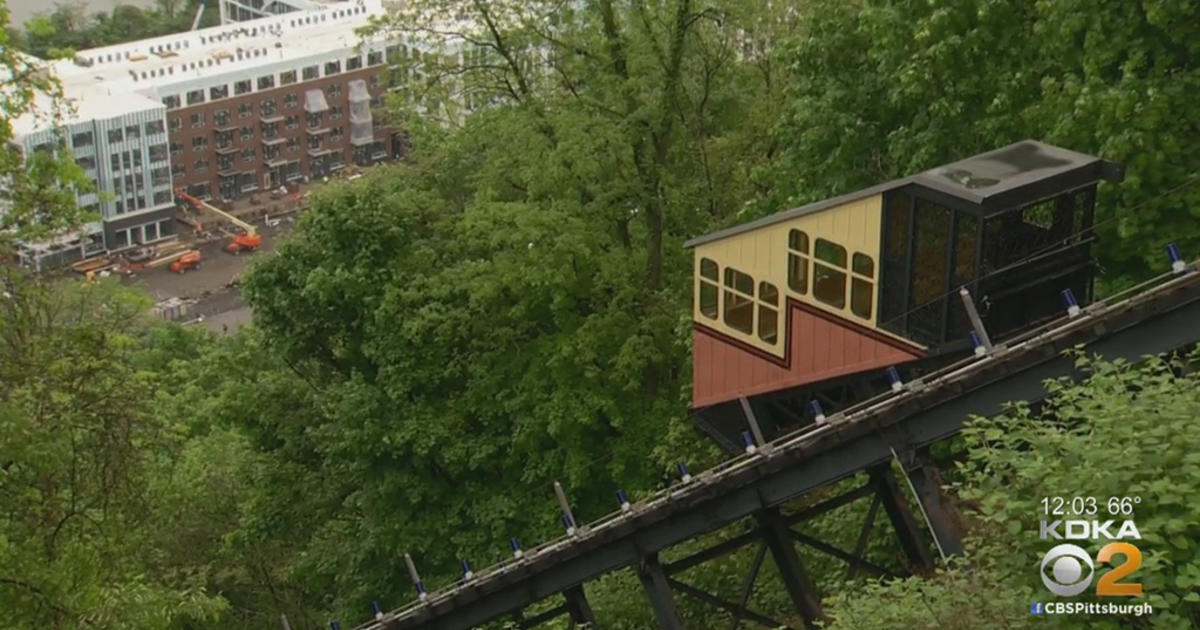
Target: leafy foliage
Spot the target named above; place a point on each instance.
(879, 90)
(1123, 432)
(68, 28)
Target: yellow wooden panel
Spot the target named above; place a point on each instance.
(763, 254)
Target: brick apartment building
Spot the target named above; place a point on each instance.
(220, 112)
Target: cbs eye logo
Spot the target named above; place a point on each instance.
(1063, 570)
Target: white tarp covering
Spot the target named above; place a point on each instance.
(362, 131)
(314, 101)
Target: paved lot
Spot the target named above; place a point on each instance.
(217, 270)
(221, 307)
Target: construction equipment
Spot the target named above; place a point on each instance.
(190, 259)
(247, 241)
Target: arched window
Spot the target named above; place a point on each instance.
(739, 301)
(862, 285)
(768, 312)
(798, 261)
(829, 273)
(708, 288)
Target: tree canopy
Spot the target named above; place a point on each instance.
(442, 339)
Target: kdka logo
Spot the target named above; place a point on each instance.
(1067, 569)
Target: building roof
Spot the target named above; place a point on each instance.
(995, 181)
(109, 81)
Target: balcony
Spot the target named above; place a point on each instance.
(274, 141)
(273, 118)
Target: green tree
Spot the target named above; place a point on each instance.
(82, 436)
(1126, 431)
(482, 320)
(38, 198)
(879, 90)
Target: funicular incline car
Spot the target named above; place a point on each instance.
(814, 303)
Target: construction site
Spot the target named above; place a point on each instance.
(195, 277)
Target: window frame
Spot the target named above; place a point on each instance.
(799, 261)
(830, 269)
(710, 286)
(862, 284)
(737, 297)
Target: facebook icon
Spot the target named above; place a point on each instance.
(1035, 608)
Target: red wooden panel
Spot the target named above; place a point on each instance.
(820, 346)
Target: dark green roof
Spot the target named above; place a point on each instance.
(992, 182)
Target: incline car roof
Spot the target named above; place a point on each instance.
(992, 182)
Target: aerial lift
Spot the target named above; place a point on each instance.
(249, 240)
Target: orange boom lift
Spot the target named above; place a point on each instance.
(249, 240)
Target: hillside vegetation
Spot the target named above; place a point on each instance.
(442, 339)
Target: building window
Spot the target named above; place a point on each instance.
(739, 301)
(158, 153)
(221, 118)
(335, 112)
(218, 91)
(246, 133)
(114, 162)
(172, 102)
(199, 143)
(86, 163)
(176, 148)
(224, 139)
(335, 134)
(247, 155)
(292, 121)
(768, 312)
(114, 135)
(245, 110)
(354, 63)
(178, 170)
(829, 273)
(162, 197)
(292, 144)
(334, 90)
(314, 120)
(267, 107)
(287, 77)
(201, 165)
(160, 176)
(314, 142)
(375, 58)
(195, 97)
(332, 67)
(153, 127)
(224, 162)
(151, 232)
(309, 73)
(175, 123)
(798, 261)
(862, 285)
(266, 82)
(241, 87)
(374, 80)
(197, 120)
(709, 288)
(133, 132)
(291, 100)
(82, 139)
